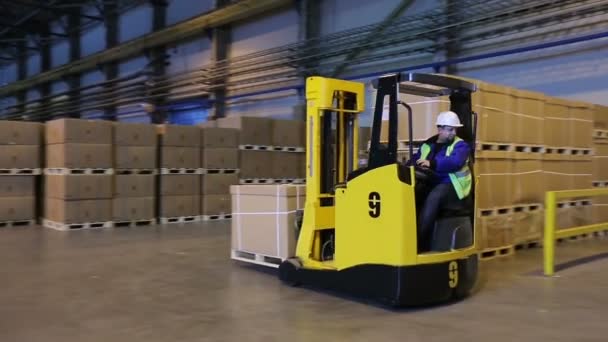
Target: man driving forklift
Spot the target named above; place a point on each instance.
(447, 156)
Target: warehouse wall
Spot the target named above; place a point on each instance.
(574, 71)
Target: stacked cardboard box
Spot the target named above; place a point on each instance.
(219, 164)
(600, 162)
(288, 140)
(19, 167)
(255, 140)
(269, 149)
(263, 222)
(78, 174)
(135, 159)
(180, 173)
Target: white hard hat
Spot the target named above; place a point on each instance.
(448, 118)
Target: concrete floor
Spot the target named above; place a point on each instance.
(177, 283)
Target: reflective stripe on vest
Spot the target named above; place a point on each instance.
(461, 180)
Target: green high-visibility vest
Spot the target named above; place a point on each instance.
(461, 179)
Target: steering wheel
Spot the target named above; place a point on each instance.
(424, 174)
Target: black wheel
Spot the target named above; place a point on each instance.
(469, 278)
(288, 272)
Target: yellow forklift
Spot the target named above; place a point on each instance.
(358, 233)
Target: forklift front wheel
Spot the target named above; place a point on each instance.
(288, 272)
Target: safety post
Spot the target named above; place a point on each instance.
(550, 233)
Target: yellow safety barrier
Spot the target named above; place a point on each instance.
(550, 235)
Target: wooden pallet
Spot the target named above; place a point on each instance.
(600, 134)
(527, 208)
(179, 219)
(527, 244)
(529, 149)
(14, 172)
(218, 171)
(135, 171)
(134, 223)
(272, 181)
(491, 253)
(77, 171)
(218, 217)
(17, 223)
(254, 258)
(289, 149)
(179, 171)
(76, 226)
(600, 184)
(495, 211)
(248, 147)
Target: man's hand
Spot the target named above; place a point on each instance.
(423, 163)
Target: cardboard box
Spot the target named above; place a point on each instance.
(563, 216)
(219, 138)
(497, 123)
(253, 130)
(219, 158)
(600, 162)
(424, 117)
(528, 225)
(17, 186)
(557, 122)
(20, 157)
(17, 208)
(495, 231)
(134, 157)
(216, 205)
(288, 133)
(495, 183)
(255, 164)
(177, 206)
(129, 186)
(180, 185)
(581, 214)
(600, 212)
(179, 135)
(581, 125)
(209, 123)
(78, 131)
(180, 157)
(530, 120)
(365, 135)
(287, 165)
(581, 174)
(556, 174)
(600, 117)
(79, 156)
(135, 134)
(78, 187)
(20, 133)
(263, 218)
(528, 181)
(78, 211)
(218, 184)
(133, 208)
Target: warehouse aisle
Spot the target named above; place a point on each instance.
(177, 284)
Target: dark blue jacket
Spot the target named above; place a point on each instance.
(441, 164)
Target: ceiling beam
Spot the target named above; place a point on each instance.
(169, 36)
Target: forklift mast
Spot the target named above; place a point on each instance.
(332, 134)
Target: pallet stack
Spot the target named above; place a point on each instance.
(78, 174)
(219, 170)
(179, 189)
(600, 162)
(135, 153)
(270, 151)
(19, 169)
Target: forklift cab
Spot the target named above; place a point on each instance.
(454, 225)
(359, 233)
